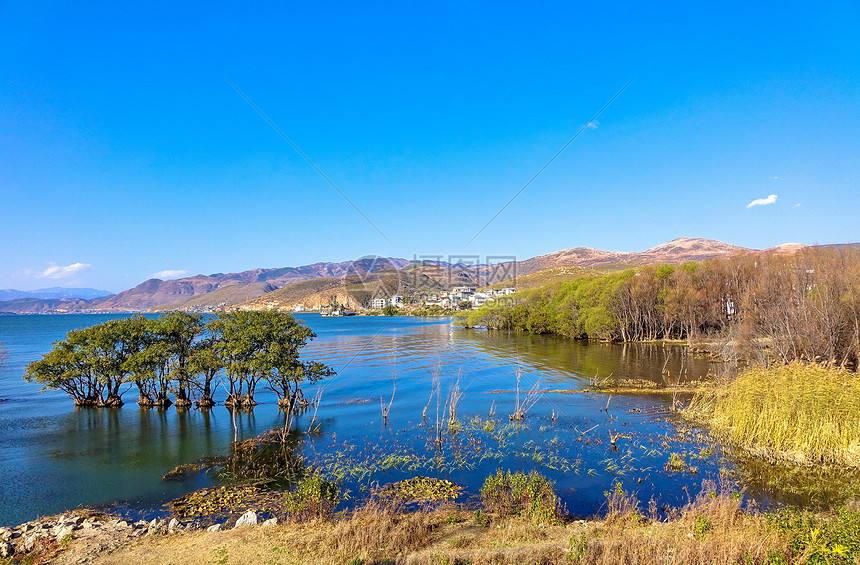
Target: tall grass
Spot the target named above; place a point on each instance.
(799, 412)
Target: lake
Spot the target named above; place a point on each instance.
(54, 457)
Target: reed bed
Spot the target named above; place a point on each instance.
(803, 413)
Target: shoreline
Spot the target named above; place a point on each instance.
(712, 528)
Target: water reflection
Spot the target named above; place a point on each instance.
(55, 457)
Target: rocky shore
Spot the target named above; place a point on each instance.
(79, 536)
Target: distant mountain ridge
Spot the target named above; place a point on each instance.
(678, 250)
(207, 292)
(53, 293)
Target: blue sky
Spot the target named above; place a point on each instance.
(125, 152)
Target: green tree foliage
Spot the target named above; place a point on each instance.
(764, 307)
(178, 331)
(93, 364)
(260, 346)
(205, 362)
(179, 353)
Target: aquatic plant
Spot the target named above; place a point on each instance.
(800, 412)
(422, 489)
(522, 407)
(226, 502)
(270, 457)
(530, 495)
(313, 498)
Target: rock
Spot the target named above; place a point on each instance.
(30, 542)
(122, 524)
(214, 528)
(249, 518)
(5, 534)
(64, 531)
(6, 550)
(270, 522)
(172, 525)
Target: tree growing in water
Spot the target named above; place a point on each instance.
(178, 332)
(92, 364)
(205, 362)
(258, 346)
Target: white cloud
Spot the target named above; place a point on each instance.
(62, 272)
(775, 178)
(169, 274)
(762, 201)
(797, 205)
(593, 124)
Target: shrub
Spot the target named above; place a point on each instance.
(313, 498)
(821, 539)
(517, 494)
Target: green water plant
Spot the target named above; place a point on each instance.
(529, 495)
(313, 498)
(422, 489)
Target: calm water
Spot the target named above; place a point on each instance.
(55, 457)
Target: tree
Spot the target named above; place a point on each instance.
(205, 361)
(150, 367)
(67, 368)
(92, 364)
(265, 345)
(178, 331)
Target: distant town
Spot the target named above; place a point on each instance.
(458, 298)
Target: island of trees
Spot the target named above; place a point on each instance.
(182, 355)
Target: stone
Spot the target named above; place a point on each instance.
(172, 525)
(6, 550)
(64, 531)
(5, 534)
(214, 528)
(270, 522)
(30, 542)
(249, 518)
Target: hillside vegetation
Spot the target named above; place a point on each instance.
(547, 277)
(802, 306)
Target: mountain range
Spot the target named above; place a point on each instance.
(53, 293)
(353, 282)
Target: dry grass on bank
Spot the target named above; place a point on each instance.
(803, 413)
(711, 530)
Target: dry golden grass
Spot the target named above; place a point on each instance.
(711, 530)
(800, 412)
